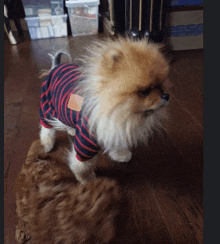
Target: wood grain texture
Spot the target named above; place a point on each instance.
(163, 183)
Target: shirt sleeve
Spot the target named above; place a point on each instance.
(84, 143)
(45, 108)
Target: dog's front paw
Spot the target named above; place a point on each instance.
(121, 156)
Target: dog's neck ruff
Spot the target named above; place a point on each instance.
(119, 129)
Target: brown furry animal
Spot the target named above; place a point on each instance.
(53, 208)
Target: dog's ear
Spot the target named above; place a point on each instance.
(167, 50)
(112, 57)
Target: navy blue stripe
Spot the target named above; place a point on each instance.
(59, 96)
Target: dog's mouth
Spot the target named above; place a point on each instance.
(148, 112)
(151, 111)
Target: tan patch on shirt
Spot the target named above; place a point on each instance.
(75, 102)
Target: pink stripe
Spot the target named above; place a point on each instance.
(60, 108)
(47, 110)
(62, 83)
(84, 155)
(53, 113)
(43, 84)
(87, 130)
(68, 97)
(57, 71)
(48, 89)
(45, 93)
(43, 105)
(86, 138)
(79, 158)
(56, 84)
(60, 101)
(43, 113)
(85, 147)
(45, 125)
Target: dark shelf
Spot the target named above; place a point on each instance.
(184, 8)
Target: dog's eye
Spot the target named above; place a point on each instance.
(145, 92)
(159, 87)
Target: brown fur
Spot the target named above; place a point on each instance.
(127, 67)
(53, 208)
(43, 73)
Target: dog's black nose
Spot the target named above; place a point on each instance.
(166, 96)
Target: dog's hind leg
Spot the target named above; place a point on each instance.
(47, 138)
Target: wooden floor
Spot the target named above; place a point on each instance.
(163, 183)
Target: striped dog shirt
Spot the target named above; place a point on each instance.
(56, 90)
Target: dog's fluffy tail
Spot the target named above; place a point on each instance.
(56, 59)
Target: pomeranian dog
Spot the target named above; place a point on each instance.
(112, 102)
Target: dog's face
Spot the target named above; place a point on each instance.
(133, 75)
